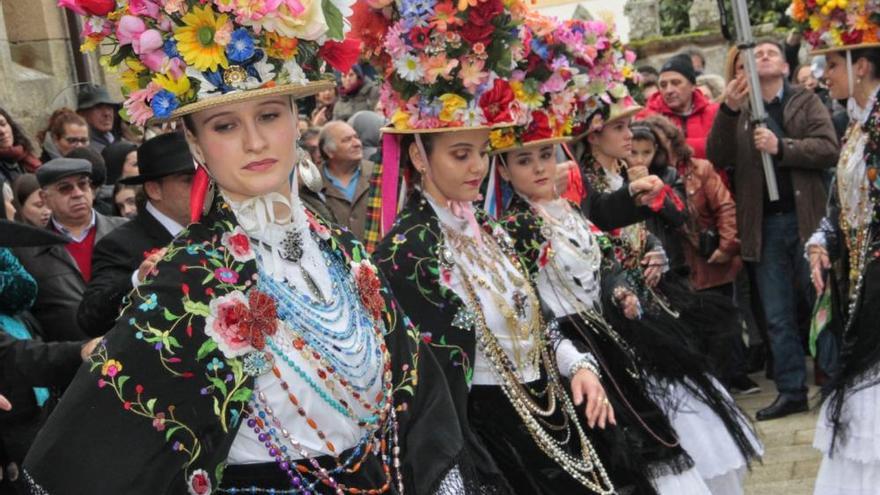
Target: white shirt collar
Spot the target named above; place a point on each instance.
(75, 238)
(859, 114)
(169, 223)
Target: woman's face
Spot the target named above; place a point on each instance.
(327, 97)
(6, 138)
(642, 153)
(349, 80)
(836, 78)
(249, 148)
(75, 136)
(124, 199)
(531, 171)
(130, 165)
(458, 164)
(614, 140)
(35, 211)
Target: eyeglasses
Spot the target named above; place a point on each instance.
(77, 140)
(83, 184)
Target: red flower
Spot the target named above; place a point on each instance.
(477, 33)
(419, 37)
(89, 7)
(370, 26)
(544, 257)
(539, 128)
(238, 244)
(151, 252)
(199, 483)
(257, 319)
(368, 285)
(495, 103)
(485, 12)
(851, 37)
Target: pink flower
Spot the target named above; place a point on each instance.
(446, 276)
(225, 321)
(226, 275)
(199, 483)
(144, 8)
(129, 28)
(238, 244)
(159, 422)
(322, 231)
(147, 41)
(138, 103)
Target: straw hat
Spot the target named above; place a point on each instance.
(176, 57)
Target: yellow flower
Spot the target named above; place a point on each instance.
(500, 139)
(88, 45)
(179, 87)
(451, 104)
(196, 39)
(111, 368)
(815, 22)
(531, 99)
(400, 120)
(130, 78)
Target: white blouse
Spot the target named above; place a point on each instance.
(566, 353)
(256, 216)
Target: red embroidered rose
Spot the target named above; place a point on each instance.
(495, 102)
(199, 483)
(238, 244)
(239, 323)
(538, 128)
(261, 318)
(368, 286)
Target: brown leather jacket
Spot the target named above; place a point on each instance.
(710, 205)
(810, 148)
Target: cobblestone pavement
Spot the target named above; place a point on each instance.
(790, 461)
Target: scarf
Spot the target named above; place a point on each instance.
(16, 153)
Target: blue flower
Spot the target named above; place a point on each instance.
(192, 249)
(170, 48)
(149, 303)
(240, 47)
(164, 103)
(216, 80)
(416, 12)
(215, 364)
(541, 49)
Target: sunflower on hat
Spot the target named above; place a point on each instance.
(446, 62)
(178, 56)
(830, 25)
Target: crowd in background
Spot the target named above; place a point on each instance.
(118, 194)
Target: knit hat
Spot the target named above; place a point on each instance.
(177, 57)
(682, 64)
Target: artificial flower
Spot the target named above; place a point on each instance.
(241, 46)
(500, 139)
(495, 103)
(409, 68)
(445, 15)
(196, 42)
(164, 103)
(452, 103)
(302, 19)
(89, 7)
(179, 86)
(281, 47)
(472, 74)
(539, 128)
(527, 94)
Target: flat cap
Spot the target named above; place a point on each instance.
(59, 168)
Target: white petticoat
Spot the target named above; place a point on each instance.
(703, 435)
(854, 466)
(689, 482)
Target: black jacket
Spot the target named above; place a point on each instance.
(116, 257)
(61, 284)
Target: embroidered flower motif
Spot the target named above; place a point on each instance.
(149, 303)
(322, 231)
(240, 323)
(544, 257)
(111, 368)
(199, 483)
(238, 244)
(159, 422)
(226, 275)
(368, 285)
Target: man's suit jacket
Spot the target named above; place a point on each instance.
(116, 257)
(60, 285)
(351, 214)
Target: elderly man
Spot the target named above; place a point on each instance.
(801, 139)
(680, 101)
(346, 175)
(95, 105)
(62, 271)
(129, 253)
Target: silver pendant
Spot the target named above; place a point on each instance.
(292, 246)
(258, 363)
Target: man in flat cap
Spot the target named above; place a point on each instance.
(62, 271)
(94, 104)
(680, 101)
(126, 255)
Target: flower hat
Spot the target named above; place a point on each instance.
(835, 25)
(176, 57)
(544, 83)
(445, 63)
(607, 73)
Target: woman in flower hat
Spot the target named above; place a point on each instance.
(847, 431)
(264, 354)
(452, 270)
(577, 276)
(676, 320)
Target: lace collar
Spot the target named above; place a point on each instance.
(860, 114)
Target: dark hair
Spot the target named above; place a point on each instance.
(406, 164)
(139, 196)
(99, 168)
(642, 131)
(18, 135)
(22, 188)
(771, 41)
(872, 55)
(676, 138)
(114, 156)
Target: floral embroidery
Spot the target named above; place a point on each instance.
(240, 323)
(199, 483)
(238, 244)
(111, 368)
(368, 285)
(226, 275)
(149, 303)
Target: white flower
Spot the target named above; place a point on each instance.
(266, 72)
(472, 115)
(294, 73)
(409, 68)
